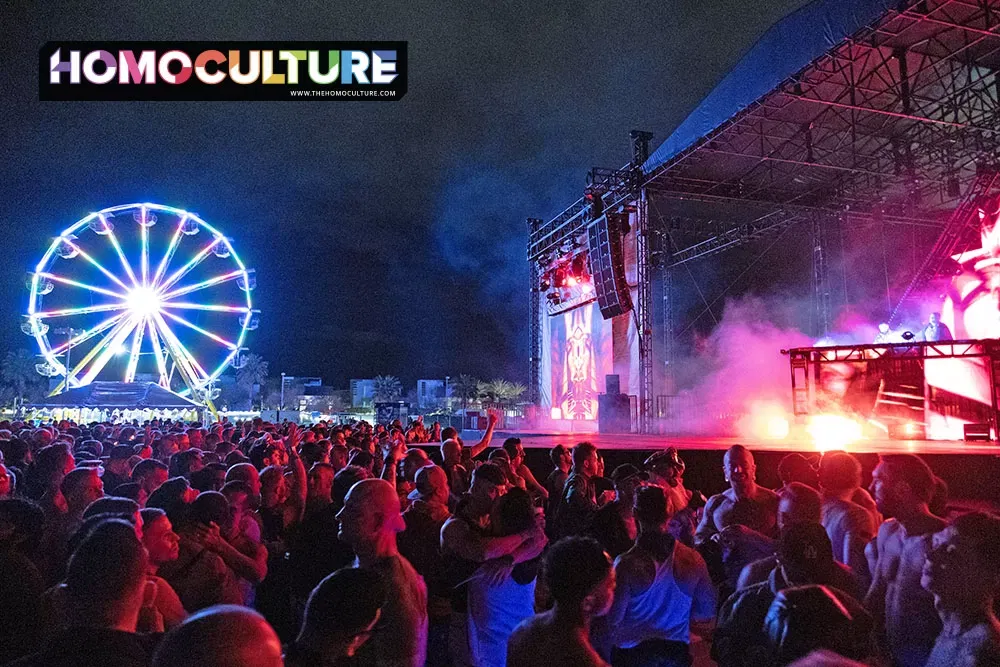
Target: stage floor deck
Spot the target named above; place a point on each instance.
(633, 442)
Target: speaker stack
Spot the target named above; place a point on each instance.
(607, 265)
(614, 413)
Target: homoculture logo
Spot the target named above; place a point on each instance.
(218, 71)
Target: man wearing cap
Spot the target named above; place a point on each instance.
(614, 524)
(801, 504)
(116, 470)
(666, 470)
(805, 557)
(662, 590)
(420, 544)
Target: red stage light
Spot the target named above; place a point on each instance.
(559, 278)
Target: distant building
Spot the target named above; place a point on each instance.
(323, 399)
(362, 393)
(432, 393)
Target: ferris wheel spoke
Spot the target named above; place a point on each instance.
(184, 305)
(211, 282)
(118, 249)
(109, 350)
(83, 310)
(174, 240)
(144, 252)
(74, 283)
(195, 327)
(89, 333)
(192, 263)
(96, 350)
(98, 265)
(133, 358)
(161, 362)
(182, 357)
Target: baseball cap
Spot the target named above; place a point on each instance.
(805, 548)
(625, 471)
(663, 458)
(428, 480)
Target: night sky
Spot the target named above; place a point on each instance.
(387, 237)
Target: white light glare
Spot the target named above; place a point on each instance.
(143, 301)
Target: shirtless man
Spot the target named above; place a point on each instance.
(582, 583)
(849, 525)
(962, 570)
(662, 592)
(743, 503)
(903, 485)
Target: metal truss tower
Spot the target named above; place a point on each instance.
(534, 326)
(821, 278)
(643, 314)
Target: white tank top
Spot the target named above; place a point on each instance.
(662, 611)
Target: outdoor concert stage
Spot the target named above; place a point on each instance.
(850, 157)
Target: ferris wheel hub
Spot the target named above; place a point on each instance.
(143, 301)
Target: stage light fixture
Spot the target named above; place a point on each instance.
(559, 278)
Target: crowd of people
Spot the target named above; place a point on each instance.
(260, 544)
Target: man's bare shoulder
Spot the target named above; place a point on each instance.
(688, 561)
(536, 642)
(766, 494)
(716, 501)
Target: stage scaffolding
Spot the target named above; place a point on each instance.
(891, 125)
(806, 365)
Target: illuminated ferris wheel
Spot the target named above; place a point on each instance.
(141, 291)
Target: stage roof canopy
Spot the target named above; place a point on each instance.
(858, 109)
(118, 395)
(783, 50)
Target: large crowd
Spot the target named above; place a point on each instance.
(259, 544)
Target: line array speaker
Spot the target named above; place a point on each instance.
(607, 265)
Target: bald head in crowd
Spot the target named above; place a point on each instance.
(744, 502)
(371, 518)
(414, 460)
(222, 636)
